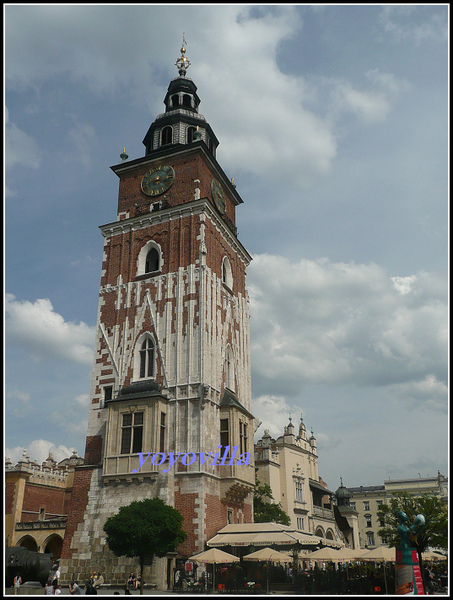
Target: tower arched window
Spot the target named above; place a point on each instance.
(187, 100)
(227, 274)
(147, 358)
(152, 261)
(149, 259)
(167, 135)
(190, 134)
(175, 100)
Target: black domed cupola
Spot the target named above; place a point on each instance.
(342, 495)
(181, 124)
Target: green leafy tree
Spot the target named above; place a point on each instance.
(433, 534)
(264, 510)
(147, 528)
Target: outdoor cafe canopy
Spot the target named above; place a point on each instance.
(267, 534)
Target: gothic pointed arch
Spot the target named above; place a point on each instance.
(144, 358)
(149, 259)
(227, 273)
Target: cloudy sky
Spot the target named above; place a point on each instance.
(333, 121)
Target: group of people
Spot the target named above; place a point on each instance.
(53, 587)
(133, 581)
(93, 584)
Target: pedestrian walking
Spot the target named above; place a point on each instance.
(429, 581)
(17, 583)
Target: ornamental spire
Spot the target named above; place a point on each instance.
(183, 63)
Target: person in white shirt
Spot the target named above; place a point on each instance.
(17, 583)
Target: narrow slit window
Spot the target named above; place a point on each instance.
(190, 134)
(147, 359)
(224, 433)
(162, 432)
(167, 135)
(243, 437)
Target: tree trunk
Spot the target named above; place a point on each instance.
(142, 562)
(422, 569)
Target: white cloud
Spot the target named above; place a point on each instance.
(22, 397)
(428, 392)
(38, 450)
(404, 285)
(317, 322)
(262, 119)
(20, 148)
(81, 142)
(430, 27)
(82, 400)
(42, 333)
(273, 411)
(268, 121)
(369, 105)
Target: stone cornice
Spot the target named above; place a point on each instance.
(165, 215)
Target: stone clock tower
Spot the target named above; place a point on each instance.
(172, 360)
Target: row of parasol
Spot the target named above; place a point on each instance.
(326, 554)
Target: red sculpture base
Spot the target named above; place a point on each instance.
(408, 575)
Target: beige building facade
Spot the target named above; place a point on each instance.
(36, 502)
(289, 465)
(366, 501)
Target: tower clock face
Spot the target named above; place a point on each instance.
(158, 180)
(218, 196)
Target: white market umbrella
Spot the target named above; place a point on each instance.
(380, 554)
(429, 556)
(214, 556)
(268, 555)
(331, 555)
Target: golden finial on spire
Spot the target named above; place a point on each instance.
(183, 63)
